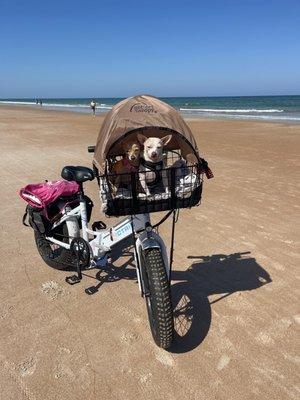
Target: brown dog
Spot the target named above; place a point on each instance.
(130, 163)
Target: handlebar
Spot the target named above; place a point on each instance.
(91, 149)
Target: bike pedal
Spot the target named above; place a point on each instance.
(91, 290)
(71, 280)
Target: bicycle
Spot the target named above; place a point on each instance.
(61, 228)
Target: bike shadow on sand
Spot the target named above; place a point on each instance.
(218, 274)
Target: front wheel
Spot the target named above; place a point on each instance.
(159, 304)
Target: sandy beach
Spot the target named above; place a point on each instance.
(235, 284)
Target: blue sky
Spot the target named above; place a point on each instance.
(167, 48)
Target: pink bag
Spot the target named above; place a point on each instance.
(42, 194)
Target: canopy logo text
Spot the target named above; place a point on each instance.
(143, 107)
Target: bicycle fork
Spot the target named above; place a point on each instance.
(145, 239)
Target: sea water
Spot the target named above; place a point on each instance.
(277, 108)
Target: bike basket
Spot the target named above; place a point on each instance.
(175, 183)
(178, 185)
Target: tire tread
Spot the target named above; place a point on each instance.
(162, 310)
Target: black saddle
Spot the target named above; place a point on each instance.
(77, 174)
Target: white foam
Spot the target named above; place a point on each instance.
(269, 117)
(45, 104)
(246, 110)
(102, 106)
(65, 105)
(258, 117)
(17, 102)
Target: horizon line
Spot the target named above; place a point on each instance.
(165, 97)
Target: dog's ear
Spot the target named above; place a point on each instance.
(166, 139)
(141, 138)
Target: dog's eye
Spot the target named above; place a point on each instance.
(148, 147)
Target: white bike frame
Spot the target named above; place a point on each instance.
(138, 227)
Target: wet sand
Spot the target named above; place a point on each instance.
(235, 283)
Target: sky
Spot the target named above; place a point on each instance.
(114, 48)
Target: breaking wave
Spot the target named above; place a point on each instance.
(46, 104)
(246, 110)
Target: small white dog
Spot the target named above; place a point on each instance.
(151, 163)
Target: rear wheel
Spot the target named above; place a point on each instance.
(54, 255)
(159, 304)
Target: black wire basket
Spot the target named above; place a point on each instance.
(173, 184)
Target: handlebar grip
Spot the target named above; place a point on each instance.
(91, 149)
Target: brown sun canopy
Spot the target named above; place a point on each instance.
(144, 114)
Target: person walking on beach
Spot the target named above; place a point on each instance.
(93, 107)
(41, 103)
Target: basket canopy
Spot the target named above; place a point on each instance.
(145, 114)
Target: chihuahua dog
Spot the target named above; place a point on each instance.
(152, 165)
(119, 181)
(130, 163)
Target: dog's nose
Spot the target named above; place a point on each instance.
(132, 158)
(153, 154)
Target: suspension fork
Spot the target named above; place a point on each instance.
(146, 239)
(142, 281)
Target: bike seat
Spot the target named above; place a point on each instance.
(77, 174)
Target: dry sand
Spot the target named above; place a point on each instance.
(235, 283)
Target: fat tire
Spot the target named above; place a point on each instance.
(159, 304)
(60, 258)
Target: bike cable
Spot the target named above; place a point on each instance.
(162, 220)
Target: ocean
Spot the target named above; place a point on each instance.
(268, 108)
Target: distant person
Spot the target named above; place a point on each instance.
(93, 107)
(41, 103)
(36, 101)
